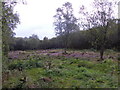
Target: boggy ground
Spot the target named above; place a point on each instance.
(53, 69)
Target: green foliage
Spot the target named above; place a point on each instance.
(9, 22)
(65, 23)
(63, 73)
(100, 24)
(21, 64)
(77, 40)
(86, 64)
(118, 57)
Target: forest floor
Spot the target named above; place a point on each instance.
(53, 69)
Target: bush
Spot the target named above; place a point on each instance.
(118, 57)
(53, 72)
(86, 64)
(24, 64)
(15, 65)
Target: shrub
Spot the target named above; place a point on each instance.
(53, 72)
(15, 65)
(24, 64)
(118, 57)
(86, 64)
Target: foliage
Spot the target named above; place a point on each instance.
(63, 73)
(77, 40)
(21, 64)
(9, 22)
(65, 22)
(31, 69)
(100, 21)
(69, 36)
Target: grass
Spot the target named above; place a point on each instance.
(53, 72)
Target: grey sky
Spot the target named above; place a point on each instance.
(37, 16)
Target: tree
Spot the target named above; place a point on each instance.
(9, 21)
(19, 44)
(65, 22)
(45, 43)
(33, 42)
(99, 22)
(79, 40)
(118, 43)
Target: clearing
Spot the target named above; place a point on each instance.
(53, 69)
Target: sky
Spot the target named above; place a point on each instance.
(36, 17)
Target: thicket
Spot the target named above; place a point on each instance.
(78, 40)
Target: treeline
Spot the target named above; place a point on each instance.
(100, 29)
(77, 40)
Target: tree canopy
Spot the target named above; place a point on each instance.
(101, 20)
(9, 21)
(65, 22)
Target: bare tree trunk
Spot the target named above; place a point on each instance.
(66, 44)
(101, 53)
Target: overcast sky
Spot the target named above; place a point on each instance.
(37, 16)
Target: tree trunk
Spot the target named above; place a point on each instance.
(66, 44)
(101, 53)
